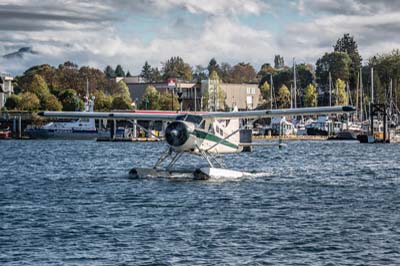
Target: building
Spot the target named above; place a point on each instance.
(6, 88)
(244, 96)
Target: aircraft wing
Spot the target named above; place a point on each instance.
(281, 112)
(111, 115)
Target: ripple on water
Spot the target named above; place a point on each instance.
(313, 203)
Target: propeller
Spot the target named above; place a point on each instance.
(176, 134)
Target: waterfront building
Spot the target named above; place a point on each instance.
(6, 88)
(203, 96)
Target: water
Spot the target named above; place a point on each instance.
(313, 203)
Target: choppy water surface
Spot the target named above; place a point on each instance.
(313, 203)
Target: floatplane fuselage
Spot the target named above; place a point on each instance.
(204, 135)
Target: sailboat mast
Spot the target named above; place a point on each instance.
(372, 85)
(271, 88)
(330, 89)
(294, 82)
(361, 97)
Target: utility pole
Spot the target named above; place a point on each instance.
(361, 96)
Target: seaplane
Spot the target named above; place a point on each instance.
(201, 134)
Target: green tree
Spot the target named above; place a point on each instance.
(119, 71)
(128, 74)
(122, 90)
(109, 72)
(12, 102)
(151, 99)
(226, 72)
(337, 63)
(348, 45)
(38, 86)
(310, 96)
(213, 66)
(341, 98)
(166, 101)
(175, 67)
(120, 103)
(70, 100)
(200, 73)
(102, 101)
(50, 103)
(283, 99)
(29, 102)
(146, 71)
(243, 73)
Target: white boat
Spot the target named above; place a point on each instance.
(81, 129)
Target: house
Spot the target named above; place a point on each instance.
(6, 88)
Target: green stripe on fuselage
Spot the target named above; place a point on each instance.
(211, 137)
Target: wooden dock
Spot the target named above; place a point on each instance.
(127, 140)
(291, 137)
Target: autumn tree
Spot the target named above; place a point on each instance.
(175, 67)
(226, 72)
(29, 102)
(310, 96)
(121, 90)
(243, 73)
(283, 97)
(38, 86)
(265, 90)
(50, 103)
(151, 99)
(102, 101)
(341, 97)
(265, 70)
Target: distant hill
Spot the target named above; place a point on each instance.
(20, 53)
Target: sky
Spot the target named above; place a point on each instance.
(129, 32)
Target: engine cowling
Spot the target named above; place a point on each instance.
(178, 135)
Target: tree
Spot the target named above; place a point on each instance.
(109, 72)
(279, 62)
(50, 103)
(70, 100)
(128, 74)
(265, 70)
(226, 72)
(348, 45)
(155, 75)
(119, 71)
(213, 66)
(175, 67)
(29, 102)
(199, 73)
(122, 90)
(337, 63)
(151, 99)
(103, 102)
(265, 90)
(13, 102)
(310, 96)
(283, 99)
(243, 73)
(166, 101)
(120, 103)
(146, 71)
(38, 86)
(341, 97)
(214, 97)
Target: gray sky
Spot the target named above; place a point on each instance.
(126, 32)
